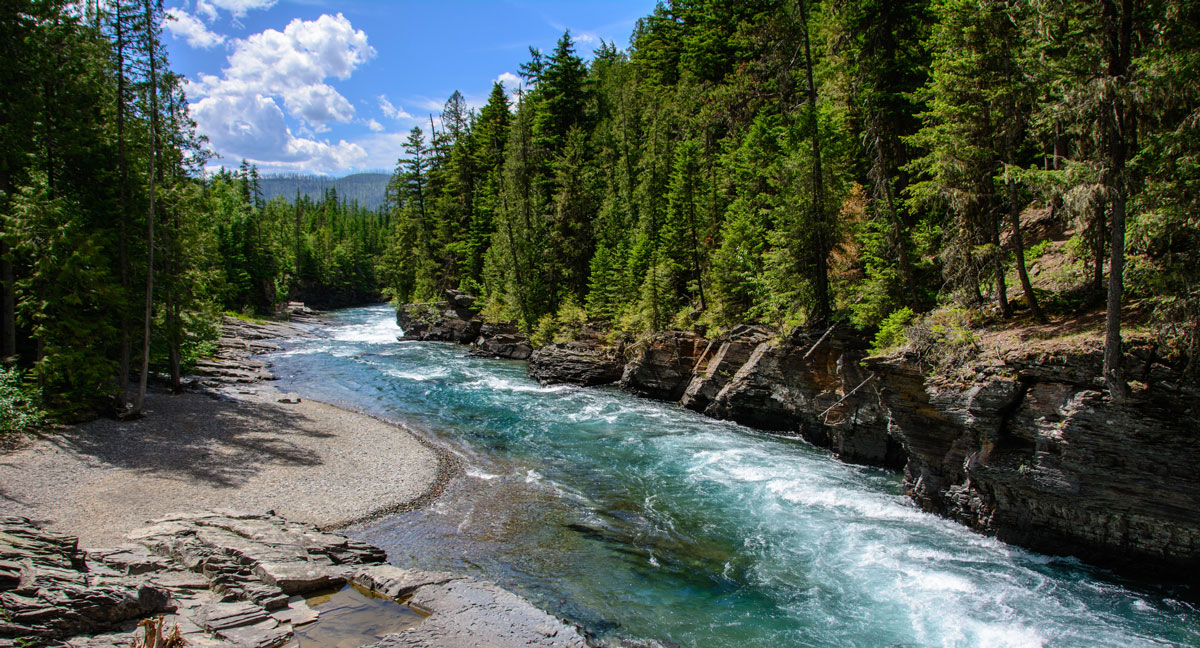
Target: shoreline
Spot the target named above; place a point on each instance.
(229, 441)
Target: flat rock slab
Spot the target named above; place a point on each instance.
(229, 578)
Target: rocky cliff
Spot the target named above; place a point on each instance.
(1034, 451)
(1029, 448)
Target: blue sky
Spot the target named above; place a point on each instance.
(318, 86)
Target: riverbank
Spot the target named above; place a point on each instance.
(235, 442)
(254, 451)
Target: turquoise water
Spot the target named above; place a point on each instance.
(641, 519)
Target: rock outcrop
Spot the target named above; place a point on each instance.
(453, 320)
(502, 341)
(586, 361)
(228, 579)
(812, 384)
(1033, 451)
(662, 366)
(719, 362)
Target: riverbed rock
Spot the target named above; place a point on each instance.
(662, 365)
(228, 578)
(587, 361)
(1034, 451)
(466, 612)
(49, 593)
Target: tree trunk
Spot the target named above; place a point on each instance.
(8, 325)
(122, 215)
(820, 255)
(1118, 32)
(149, 311)
(1014, 214)
(998, 268)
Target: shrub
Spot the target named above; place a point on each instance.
(19, 408)
(892, 331)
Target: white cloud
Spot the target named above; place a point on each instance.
(253, 127)
(392, 111)
(183, 25)
(236, 7)
(374, 125)
(510, 81)
(585, 37)
(241, 111)
(293, 64)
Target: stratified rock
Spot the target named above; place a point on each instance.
(719, 362)
(811, 384)
(502, 341)
(662, 365)
(1033, 451)
(586, 362)
(48, 594)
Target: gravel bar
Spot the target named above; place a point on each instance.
(258, 451)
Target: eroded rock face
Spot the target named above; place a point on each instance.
(811, 384)
(662, 367)
(1034, 452)
(586, 362)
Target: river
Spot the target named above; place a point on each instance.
(641, 519)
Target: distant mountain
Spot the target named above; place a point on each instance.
(369, 189)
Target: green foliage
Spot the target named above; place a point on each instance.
(944, 340)
(892, 331)
(19, 408)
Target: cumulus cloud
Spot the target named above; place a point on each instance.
(374, 125)
(510, 80)
(392, 111)
(271, 72)
(185, 26)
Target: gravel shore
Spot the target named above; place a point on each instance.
(307, 461)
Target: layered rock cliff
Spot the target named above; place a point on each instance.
(1034, 451)
(1028, 447)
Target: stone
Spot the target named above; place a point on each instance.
(48, 594)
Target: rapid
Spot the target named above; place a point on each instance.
(641, 519)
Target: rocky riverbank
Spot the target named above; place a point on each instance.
(231, 579)
(1025, 445)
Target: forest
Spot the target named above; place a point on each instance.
(119, 255)
(785, 162)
